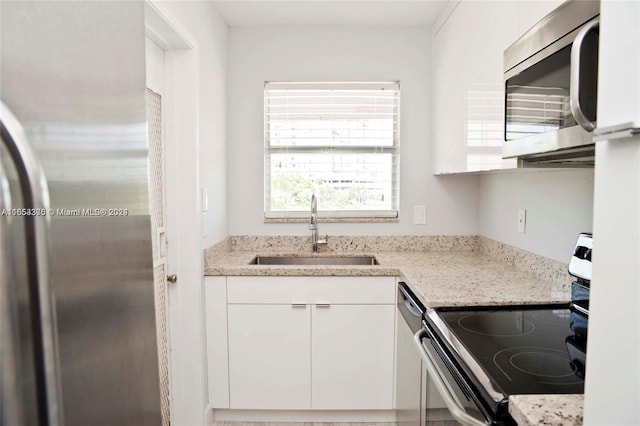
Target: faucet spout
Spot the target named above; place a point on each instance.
(313, 225)
(313, 218)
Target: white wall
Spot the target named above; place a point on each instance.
(333, 53)
(207, 28)
(559, 206)
(211, 32)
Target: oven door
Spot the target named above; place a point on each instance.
(450, 381)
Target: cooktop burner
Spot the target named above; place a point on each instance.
(551, 317)
(495, 324)
(523, 351)
(548, 365)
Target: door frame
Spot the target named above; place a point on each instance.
(187, 338)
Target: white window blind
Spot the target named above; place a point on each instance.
(339, 140)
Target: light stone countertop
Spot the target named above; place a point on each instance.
(439, 278)
(533, 410)
(442, 271)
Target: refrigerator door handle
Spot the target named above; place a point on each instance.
(36, 202)
(10, 401)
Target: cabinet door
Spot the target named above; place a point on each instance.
(468, 89)
(352, 352)
(530, 12)
(269, 360)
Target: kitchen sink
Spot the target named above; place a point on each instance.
(314, 260)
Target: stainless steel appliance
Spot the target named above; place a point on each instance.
(551, 75)
(478, 356)
(77, 318)
(417, 399)
(409, 385)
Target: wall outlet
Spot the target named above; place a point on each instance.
(522, 220)
(419, 215)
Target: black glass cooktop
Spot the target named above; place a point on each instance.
(524, 351)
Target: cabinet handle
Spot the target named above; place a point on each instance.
(299, 305)
(323, 305)
(574, 86)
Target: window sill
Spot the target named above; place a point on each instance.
(334, 220)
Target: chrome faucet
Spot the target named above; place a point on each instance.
(313, 225)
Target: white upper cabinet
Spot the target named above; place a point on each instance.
(530, 12)
(619, 68)
(468, 85)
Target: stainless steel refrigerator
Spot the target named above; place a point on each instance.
(77, 321)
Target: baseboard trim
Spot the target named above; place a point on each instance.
(439, 415)
(374, 416)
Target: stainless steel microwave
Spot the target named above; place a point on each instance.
(551, 84)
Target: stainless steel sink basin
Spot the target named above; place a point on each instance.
(314, 260)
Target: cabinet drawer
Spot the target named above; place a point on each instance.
(311, 290)
(268, 290)
(354, 290)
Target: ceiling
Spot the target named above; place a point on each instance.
(257, 13)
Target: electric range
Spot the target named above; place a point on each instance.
(479, 356)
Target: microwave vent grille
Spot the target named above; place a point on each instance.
(580, 157)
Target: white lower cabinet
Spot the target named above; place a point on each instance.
(352, 349)
(305, 343)
(269, 362)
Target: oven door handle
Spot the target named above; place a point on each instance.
(453, 405)
(408, 303)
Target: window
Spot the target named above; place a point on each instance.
(339, 140)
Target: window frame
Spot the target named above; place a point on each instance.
(376, 215)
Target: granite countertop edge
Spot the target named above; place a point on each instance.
(439, 278)
(533, 410)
